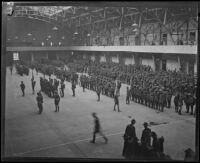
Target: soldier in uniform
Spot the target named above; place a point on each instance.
(73, 88)
(39, 100)
(22, 86)
(98, 92)
(116, 98)
(62, 87)
(97, 129)
(33, 84)
(56, 101)
(127, 95)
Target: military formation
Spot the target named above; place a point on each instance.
(146, 87)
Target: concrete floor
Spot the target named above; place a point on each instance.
(67, 133)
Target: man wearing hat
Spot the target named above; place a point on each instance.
(97, 129)
(146, 135)
(56, 101)
(130, 141)
(39, 100)
(22, 85)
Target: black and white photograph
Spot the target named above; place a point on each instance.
(96, 81)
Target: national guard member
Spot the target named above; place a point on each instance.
(33, 82)
(62, 87)
(116, 98)
(98, 92)
(22, 88)
(39, 100)
(56, 101)
(73, 88)
(127, 95)
(97, 129)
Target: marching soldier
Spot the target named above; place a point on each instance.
(33, 82)
(22, 85)
(62, 87)
(116, 98)
(73, 88)
(98, 92)
(127, 95)
(39, 100)
(56, 101)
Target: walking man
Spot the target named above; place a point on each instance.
(56, 101)
(22, 88)
(127, 96)
(39, 100)
(97, 129)
(116, 98)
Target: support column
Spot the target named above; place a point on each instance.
(187, 67)
(57, 56)
(154, 64)
(47, 56)
(138, 59)
(32, 57)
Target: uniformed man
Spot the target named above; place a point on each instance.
(33, 82)
(127, 95)
(22, 85)
(97, 129)
(39, 100)
(116, 99)
(73, 88)
(56, 101)
(98, 92)
(62, 87)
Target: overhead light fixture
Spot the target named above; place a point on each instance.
(135, 30)
(134, 25)
(59, 43)
(29, 34)
(75, 33)
(88, 35)
(63, 37)
(42, 43)
(51, 43)
(55, 28)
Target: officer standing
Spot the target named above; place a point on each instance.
(39, 100)
(127, 96)
(97, 129)
(22, 88)
(56, 101)
(98, 92)
(33, 84)
(73, 88)
(62, 89)
(116, 98)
